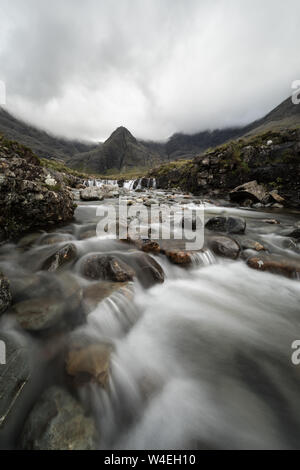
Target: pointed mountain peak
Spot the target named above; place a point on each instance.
(121, 133)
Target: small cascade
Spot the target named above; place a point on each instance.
(203, 258)
(100, 183)
(139, 185)
(129, 184)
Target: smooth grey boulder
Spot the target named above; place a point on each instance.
(58, 422)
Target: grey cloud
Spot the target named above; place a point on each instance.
(80, 69)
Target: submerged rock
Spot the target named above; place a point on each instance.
(58, 422)
(97, 292)
(224, 246)
(89, 362)
(39, 314)
(5, 294)
(252, 245)
(226, 224)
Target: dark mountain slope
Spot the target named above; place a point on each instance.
(43, 144)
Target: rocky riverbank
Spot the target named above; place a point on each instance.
(31, 196)
(272, 160)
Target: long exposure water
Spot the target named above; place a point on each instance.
(200, 361)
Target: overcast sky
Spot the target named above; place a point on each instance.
(82, 68)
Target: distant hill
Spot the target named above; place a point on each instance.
(284, 116)
(42, 143)
(120, 152)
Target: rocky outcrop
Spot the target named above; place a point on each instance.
(252, 191)
(58, 422)
(29, 196)
(275, 166)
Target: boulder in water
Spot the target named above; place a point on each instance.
(146, 268)
(61, 257)
(182, 258)
(39, 314)
(148, 246)
(226, 224)
(5, 294)
(225, 247)
(107, 267)
(91, 194)
(58, 422)
(283, 267)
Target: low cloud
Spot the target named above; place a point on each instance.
(80, 69)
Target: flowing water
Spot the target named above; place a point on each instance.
(200, 361)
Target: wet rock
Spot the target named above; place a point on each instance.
(252, 245)
(295, 233)
(226, 224)
(148, 246)
(285, 268)
(146, 268)
(97, 292)
(5, 294)
(61, 257)
(224, 246)
(39, 314)
(182, 258)
(92, 194)
(251, 190)
(58, 422)
(90, 362)
(107, 267)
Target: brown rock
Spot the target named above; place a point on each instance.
(182, 258)
(283, 268)
(90, 362)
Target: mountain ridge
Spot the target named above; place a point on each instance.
(122, 151)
